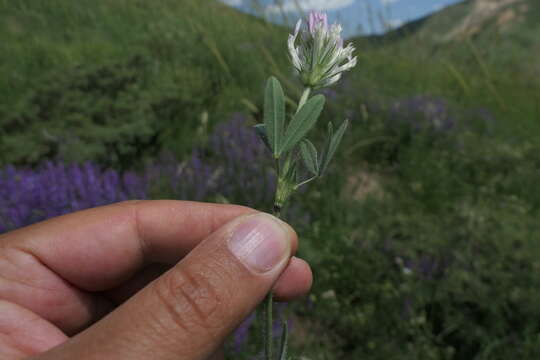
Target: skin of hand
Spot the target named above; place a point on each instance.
(141, 280)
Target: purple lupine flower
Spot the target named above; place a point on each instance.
(235, 166)
(423, 112)
(480, 118)
(28, 196)
(242, 332)
(246, 169)
(277, 326)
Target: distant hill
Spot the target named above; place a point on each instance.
(476, 18)
(472, 19)
(482, 14)
(502, 33)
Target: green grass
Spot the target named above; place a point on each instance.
(198, 57)
(467, 198)
(42, 36)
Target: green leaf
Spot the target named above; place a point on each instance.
(284, 342)
(309, 155)
(261, 131)
(324, 153)
(291, 171)
(302, 122)
(333, 143)
(274, 114)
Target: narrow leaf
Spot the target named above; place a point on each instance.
(309, 155)
(284, 342)
(292, 172)
(261, 131)
(302, 122)
(287, 164)
(327, 143)
(274, 113)
(333, 144)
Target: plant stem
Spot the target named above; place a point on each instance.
(268, 302)
(305, 182)
(304, 98)
(268, 336)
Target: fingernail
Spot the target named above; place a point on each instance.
(261, 242)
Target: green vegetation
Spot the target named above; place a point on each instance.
(426, 249)
(116, 81)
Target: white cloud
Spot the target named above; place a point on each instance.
(395, 23)
(388, 2)
(232, 2)
(309, 5)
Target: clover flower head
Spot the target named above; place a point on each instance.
(317, 51)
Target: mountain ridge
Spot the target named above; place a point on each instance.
(466, 20)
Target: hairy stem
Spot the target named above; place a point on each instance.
(304, 98)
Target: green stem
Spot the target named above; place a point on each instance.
(304, 98)
(268, 302)
(268, 338)
(305, 182)
(267, 308)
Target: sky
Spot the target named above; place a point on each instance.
(357, 16)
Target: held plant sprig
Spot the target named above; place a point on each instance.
(318, 55)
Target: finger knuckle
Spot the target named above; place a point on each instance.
(192, 298)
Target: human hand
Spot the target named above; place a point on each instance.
(141, 280)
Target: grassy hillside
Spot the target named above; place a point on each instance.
(506, 31)
(41, 36)
(168, 62)
(495, 66)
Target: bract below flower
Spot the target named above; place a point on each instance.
(317, 51)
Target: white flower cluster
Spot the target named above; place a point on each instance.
(318, 53)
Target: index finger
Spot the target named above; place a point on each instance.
(100, 248)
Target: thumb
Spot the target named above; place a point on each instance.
(189, 311)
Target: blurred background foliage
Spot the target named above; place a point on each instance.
(117, 81)
(423, 237)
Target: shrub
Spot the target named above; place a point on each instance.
(100, 113)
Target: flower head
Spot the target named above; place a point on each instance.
(317, 51)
